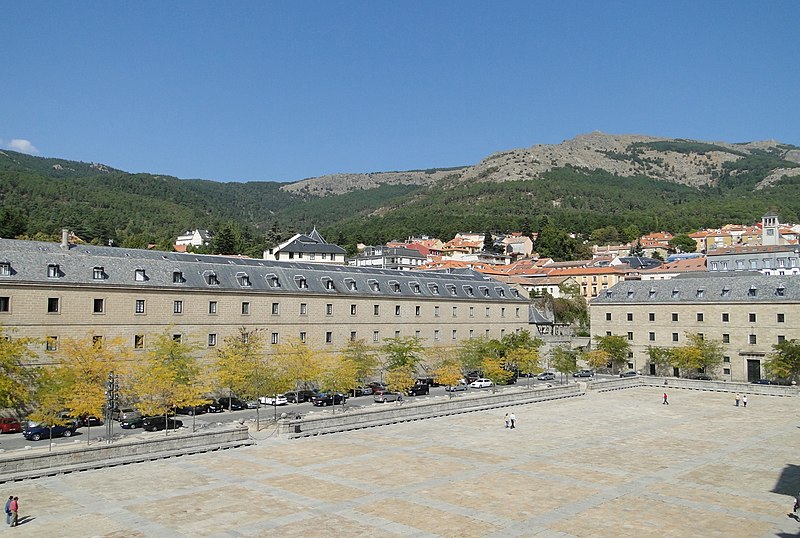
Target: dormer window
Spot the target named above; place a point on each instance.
(434, 288)
(630, 293)
(273, 281)
(726, 292)
(676, 293)
(54, 271)
(139, 275)
(395, 286)
(452, 289)
(608, 294)
(700, 292)
(243, 279)
(752, 292)
(211, 278)
(652, 293)
(485, 291)
(301, 282)
(415, 287)
(469, 291)
(98, 273)
(177, 277)
(327, 283)
(515, 292)
(5, 269)
(351, 284)
(374, 285)
(780, 290)
(500, 291)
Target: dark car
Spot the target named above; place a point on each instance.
(430, 381)
(213, 407)
(583, 373)
(192, 409)
(377, 386)
(699, 377)
(10, 425)
(322, 399)
(35, 431)
(629, 373)
(546, 376)
(152, 424)
(418, 390)
(762, 382)
(89, 421)
(232, 404)
(131, 423)
(300, 396)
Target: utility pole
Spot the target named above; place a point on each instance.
(112, 401)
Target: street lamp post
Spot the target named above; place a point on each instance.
(112, 399)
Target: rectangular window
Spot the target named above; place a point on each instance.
(212, 339)
(455, 311)
(417, 310)
(725, 317)
(780, 318)
(726, 360)
(177, 337)
(352, 310)
(699, 316)
(274, 338)
(472, 311)
(516, 312)
(488, 312)
(436, 335)
(51, 343)
(630, 316)
(726, 371)
(139, 306)
(436, 311)
(97, 341)
(376, 310)
(329, 309)
(651, 336)
(471, 334)
(752, 317)
(53, 271)
(726, 338)
(177, 277)
(502, 311)
(139, 275)
(177, 307)
(781, 338)
(674, 337)
(303, 309)
(397, 334)
(417, 334)
(630, 335)
(5, 304)
(753, 340)
(455, 334)
(97, 306)
(674, 316)
(303, 337)
(352, 336)
(608, 316)
(275, 309)
(397, 310)
(245, 308)
(376, 336)
(328, 337)
(5, 269)
(52, 305)
(651, 316)
(212, 307)
(97, 273)
(138, 341)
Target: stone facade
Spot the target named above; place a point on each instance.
(55, 291)
(747, 312)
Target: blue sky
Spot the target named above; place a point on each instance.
(281, 91)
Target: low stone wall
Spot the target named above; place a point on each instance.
(392, 413)
(38, 462)
(604, 385)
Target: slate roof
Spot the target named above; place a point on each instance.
(745, 286)
(29, 260)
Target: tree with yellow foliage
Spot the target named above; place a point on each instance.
(400, 379)
(447, 372)
(17, 379)
(337, 374)
(298, 363)
(239, 363)
(494, 370)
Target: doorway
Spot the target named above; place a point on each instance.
(753, 369)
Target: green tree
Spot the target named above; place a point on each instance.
(683, 243)
(50, 402)
(607, 235)
(337, 374)
(784, 361)
(400, 379)
(448, 372)
(17, 380)
(698, 354)
(616, 347)
(238, 363)
(661, 357)
(564, 360)
(297, 362)
(364, 357)
(631, 233)
(403, 353)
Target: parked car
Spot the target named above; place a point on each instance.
(89, 421)
(213, 407)
(232, 404)
(322, 399)
(125, 413)
(300, 396)
(130, 423)
(192, 409)
(252, 404)
(280, 399)
(699, 376)
(456, 388)
(629, 373)
(418, 390)
(362, 391)
(762, 382)
(378, 386)
(152, 424)
(583, 373)
(36, 430)
(481, 383)
(546, 376)
(10, 425)
(384, 396)
(430, 381)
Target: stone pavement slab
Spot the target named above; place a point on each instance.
(611, 464)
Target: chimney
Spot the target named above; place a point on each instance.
(64, 239)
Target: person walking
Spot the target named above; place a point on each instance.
(744, 400)
(737, 399)
(8, 509)
(666, 401)
(14, 507)
(513, 418)
(507, 420)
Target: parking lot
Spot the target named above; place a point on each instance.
(610, 464)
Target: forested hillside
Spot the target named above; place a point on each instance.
(505, 192)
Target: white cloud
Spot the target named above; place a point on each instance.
(23, 146)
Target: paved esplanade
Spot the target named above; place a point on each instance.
(612, 464)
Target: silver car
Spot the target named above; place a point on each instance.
(386, 396)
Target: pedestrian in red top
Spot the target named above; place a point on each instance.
(14, 507)
(665, 399)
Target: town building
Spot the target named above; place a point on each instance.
(194, 238)
(746, 312)
(307, 248)
(51, 291)
(395, 258)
